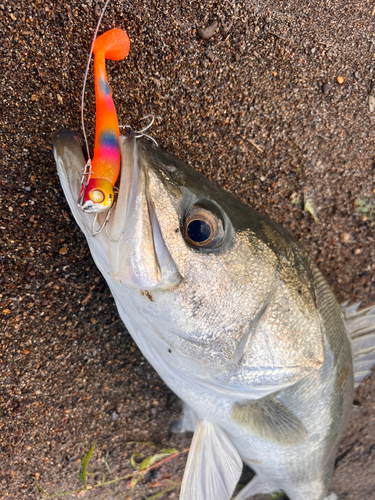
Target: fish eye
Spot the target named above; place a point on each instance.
(203, 228)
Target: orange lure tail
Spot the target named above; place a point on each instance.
(105, 166)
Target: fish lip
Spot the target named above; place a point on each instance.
(128, 183)
(138, 254)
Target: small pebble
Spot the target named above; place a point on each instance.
(138, 369)
(294, 196)
(237, 56)
(59, 98)
(340, 80)
(28, 188)
(114, 416)
(210, 56)
(357, 251)
(208, 32)
(345, 237)
(326, 88)
(262, 178)
(371, 104)
(97, 9)
(63, 250)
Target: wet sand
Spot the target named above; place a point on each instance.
(258, 109)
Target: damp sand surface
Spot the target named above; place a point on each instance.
(276, 105)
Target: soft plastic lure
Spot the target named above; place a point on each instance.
(97, 189)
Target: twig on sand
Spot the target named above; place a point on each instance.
(256, 146)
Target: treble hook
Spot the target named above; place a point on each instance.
(111, 239)
(94, 231)
(141, 133)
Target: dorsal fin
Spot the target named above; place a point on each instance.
(271, 421)
(213, 467)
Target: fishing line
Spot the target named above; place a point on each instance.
(85, 80)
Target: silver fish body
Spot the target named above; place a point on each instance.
(244, 330)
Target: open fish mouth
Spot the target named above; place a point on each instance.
(212, 304)
(132, 240)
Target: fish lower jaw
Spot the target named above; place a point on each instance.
(135, 282)
(145, 287)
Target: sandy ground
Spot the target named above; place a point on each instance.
(257, 108)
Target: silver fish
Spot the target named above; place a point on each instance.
(236, 320)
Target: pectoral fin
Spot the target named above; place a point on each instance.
(213, 467)
(271, 421)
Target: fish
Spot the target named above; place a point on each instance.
(235, 318)
(96, 194)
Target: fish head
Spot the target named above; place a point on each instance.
(210, 289)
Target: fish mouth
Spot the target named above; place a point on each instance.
(136, 254)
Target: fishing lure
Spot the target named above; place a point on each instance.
(98, 181)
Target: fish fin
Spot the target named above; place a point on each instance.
(271, 421)
(255, 487)
(187, 421)
(213, 466)
(361, 329)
